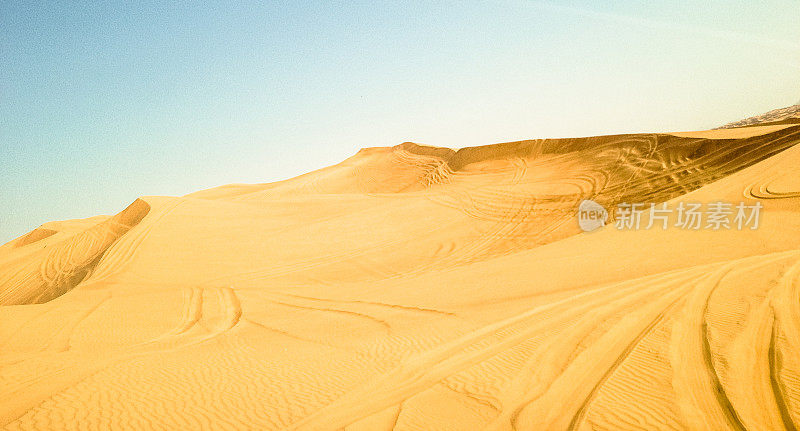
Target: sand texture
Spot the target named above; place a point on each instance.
(422, 288)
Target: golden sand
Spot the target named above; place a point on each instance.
(421, 288)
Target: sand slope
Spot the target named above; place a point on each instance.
(419, 288)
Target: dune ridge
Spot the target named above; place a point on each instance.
(37, 234)
(47, 274)
(418, 287)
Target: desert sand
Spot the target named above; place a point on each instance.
(423, 288)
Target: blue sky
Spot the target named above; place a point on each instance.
(102, 103)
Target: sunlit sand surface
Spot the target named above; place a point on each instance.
(421, 288)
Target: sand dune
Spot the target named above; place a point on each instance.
(788, 115)
(415, 288)
(41, 275)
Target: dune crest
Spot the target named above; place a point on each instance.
(33, 236)
(48, 274)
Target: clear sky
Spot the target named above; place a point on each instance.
(102, 103)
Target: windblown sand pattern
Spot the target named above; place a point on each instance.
(421, 288)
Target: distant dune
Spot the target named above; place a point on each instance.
(790, 115)
(424, 288)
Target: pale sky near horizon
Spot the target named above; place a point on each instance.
(102, 103)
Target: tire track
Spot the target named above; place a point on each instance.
(578, 418)
(425, 369)
(380, 304)
(380, 322)
(775, 383)
(702, 398)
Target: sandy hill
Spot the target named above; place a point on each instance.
(416, 287)
(788, 115)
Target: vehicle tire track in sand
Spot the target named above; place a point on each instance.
(380, 322)
(578, 418)
(232, 307)
(564, 403)
(59, 343)
(701, 396)
(428, 368)
(182, 336)
(290, 335)
(785, 343)
(380, 304)
(761, 190)
(752, 356)
(191, 313)
(775, 382)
